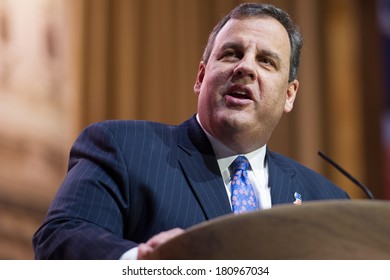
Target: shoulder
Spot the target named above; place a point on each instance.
(123, 137)
(121, 134)
(305, 176)
(286, 162)
(125, 125)
(292, 166)
(130, 128)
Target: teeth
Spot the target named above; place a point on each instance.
(239, 94)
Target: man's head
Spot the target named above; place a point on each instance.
(257, 10)
(245, 81)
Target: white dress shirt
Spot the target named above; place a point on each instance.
(257, 172)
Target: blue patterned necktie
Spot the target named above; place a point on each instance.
(243, 196)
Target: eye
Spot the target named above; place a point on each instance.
(230, 55)
(266, 61)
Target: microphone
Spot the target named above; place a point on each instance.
(349, 176)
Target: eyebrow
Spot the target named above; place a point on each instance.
(272, 54)
(231, 45)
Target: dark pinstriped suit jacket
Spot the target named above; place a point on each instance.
(129, 180)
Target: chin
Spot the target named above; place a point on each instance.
(236, 120)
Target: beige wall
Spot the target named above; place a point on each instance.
(34, 126)
(67, 63)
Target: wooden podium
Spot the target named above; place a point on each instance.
(335, 230)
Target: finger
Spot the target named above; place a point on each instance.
(164, 237)
(143, 251)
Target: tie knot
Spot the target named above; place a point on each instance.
(240, 163)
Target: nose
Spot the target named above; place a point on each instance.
(245, 69)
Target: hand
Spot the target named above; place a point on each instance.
(146, 250)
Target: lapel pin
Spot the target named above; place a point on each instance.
(298, 198)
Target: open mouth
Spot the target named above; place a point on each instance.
(239, 95)
(240, 92)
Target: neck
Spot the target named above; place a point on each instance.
(241, 144)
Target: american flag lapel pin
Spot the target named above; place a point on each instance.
(298, 198)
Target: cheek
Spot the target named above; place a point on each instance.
(214, 82)
(218, 71)
(280, 101)
(274, 98)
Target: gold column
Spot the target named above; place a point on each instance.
(344, 109)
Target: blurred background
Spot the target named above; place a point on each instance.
(67, 63)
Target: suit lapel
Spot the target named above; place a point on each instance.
(200, 166)
(281, 181)
(197, 159)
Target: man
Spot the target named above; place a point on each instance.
(133, 185)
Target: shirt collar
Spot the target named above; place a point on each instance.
(226, 156)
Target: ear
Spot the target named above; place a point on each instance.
(291, 94)
(199, 78)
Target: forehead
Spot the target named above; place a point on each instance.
(265, 32)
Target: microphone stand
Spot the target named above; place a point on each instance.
(349, 176)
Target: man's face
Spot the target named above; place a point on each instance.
(243, 89)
